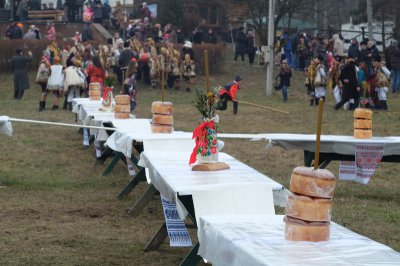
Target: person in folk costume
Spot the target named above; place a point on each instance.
(176, 69)
(363, 84)
(172, 67)
(154, 71)
(189, 74)
(42, 77)
(19, 67)
(130, 82)
(334, 81)
(350, 88)
(95, 71)
(381, 82)
(163, 61)
(228, 93)
(146, 52)
(73, 83)
(103, 51)
(309, 73)
(117, 15)
(56, 81)
(319, 79)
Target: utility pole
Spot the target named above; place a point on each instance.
(369, 14)
(270, 64)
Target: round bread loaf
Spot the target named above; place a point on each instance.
(165, 108)
(122, 108)
(94, 93)
(163, 119)
(94, 86)
(122, 115)
(362, 123)
(362, 133)
(308, 208)
(122, 100)
(363, 113)
(94, 98)
(156, 128)
(315, 183)
(298, 230)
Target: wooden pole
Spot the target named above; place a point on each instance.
(264, 107)
(162, 85)
(206, 69)
(318, 141)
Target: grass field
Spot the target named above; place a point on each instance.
(56, 208)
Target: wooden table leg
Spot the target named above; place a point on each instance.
(158, 238)
(139, 177)
(192, 258)
(112, 164)
(144, 199)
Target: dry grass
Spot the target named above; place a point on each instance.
(57, 208)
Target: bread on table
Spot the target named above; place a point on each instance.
(308, 208)
(315, 183)
(123, 108)
(122, 100)
(362, 123)
(363, 113)
(122, 115)
(299, 230)
(157, 128)
(94, 91)
(163, 119)
(165, 108)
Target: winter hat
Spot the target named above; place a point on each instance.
(188, 44)
(238, 78)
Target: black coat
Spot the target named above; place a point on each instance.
(125, 57)
(19, 65)
(87, 33)
(395, 58)
(211, 38)
(285, 77)
(241, 43)
(350, 88)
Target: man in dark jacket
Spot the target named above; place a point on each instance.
(14, 32)
(241, 45)
(354, 50)
(348, 77)
(19, 66)
(197, 36)
(124, 59)
(180, 36)
(87, 32)
(394, 56)
(210, 37)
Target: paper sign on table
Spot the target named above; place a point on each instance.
(368, 158)
(177, 232)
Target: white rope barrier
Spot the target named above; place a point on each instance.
(58, 124)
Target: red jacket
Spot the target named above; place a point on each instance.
(231, 89)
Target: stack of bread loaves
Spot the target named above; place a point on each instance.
(308, 208)
(162, 117)
(94, 91)
(362, 123)
(122, 107)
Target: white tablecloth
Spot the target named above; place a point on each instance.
(330, 143)
(5, 125)
(259, 240)
(170, 173)
(137, 130)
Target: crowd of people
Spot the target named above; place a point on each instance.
(358, 77)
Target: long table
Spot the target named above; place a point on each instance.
(170, 174)
(259, 240)
(333, 147)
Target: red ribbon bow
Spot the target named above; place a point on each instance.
(106, 90)
(199, 134)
